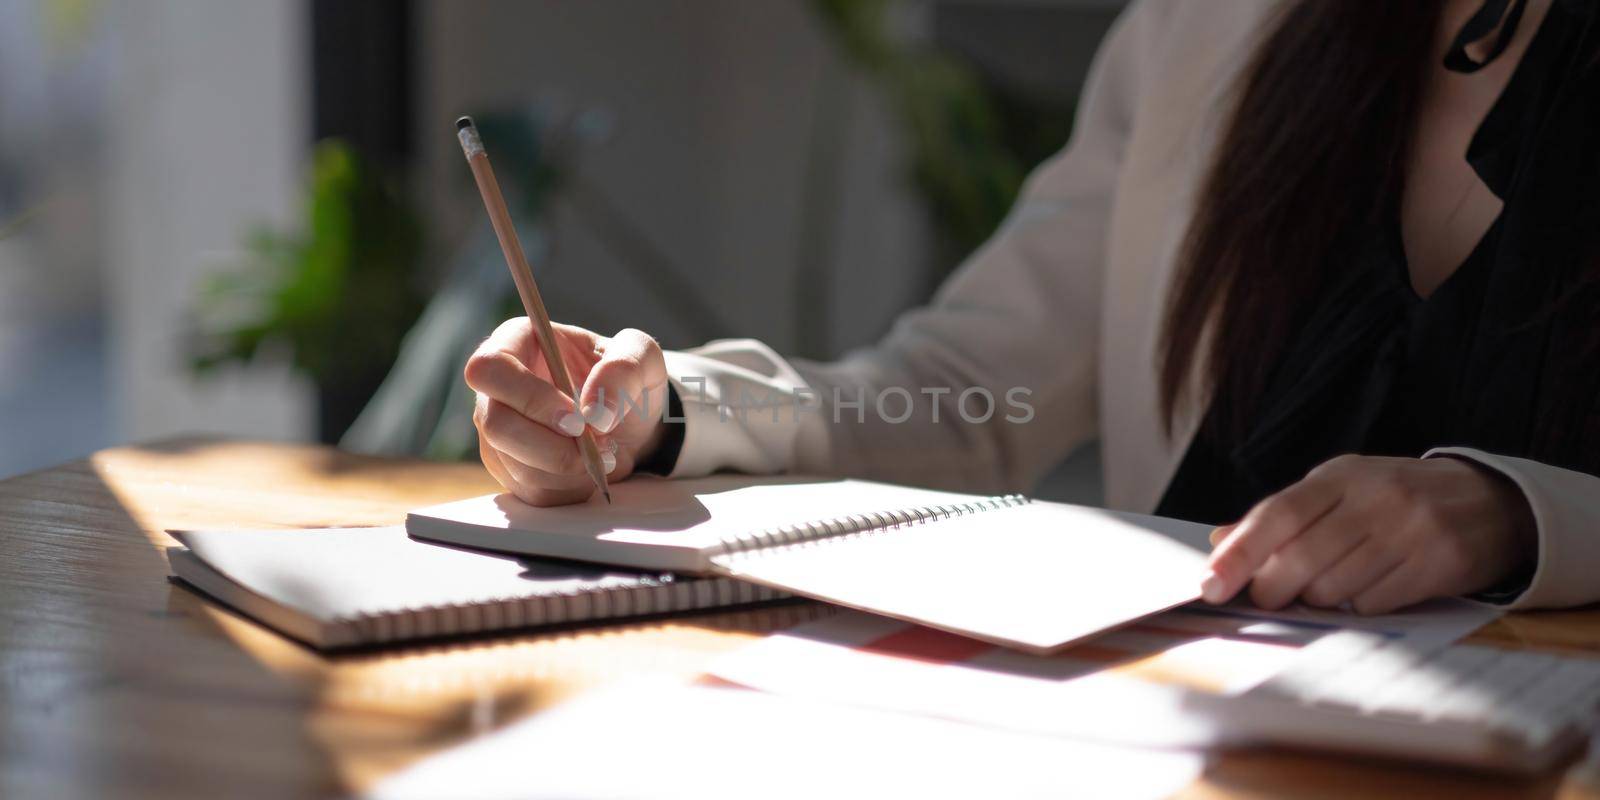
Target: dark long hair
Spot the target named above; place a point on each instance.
(1316, 146)
(1321, 127)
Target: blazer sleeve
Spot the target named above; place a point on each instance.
(1566, 509)
(985, 388)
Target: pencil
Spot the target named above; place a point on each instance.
(511, 246)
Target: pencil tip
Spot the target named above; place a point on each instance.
(464, 123)
(607, 494)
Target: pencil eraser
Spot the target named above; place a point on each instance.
(464, 123)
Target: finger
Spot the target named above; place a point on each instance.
(609, 453)
(517, 337)
(486, 451)
(527, 484)
(545, 498)
(1268, 526)
(621, 381)
(506, 379)
(1358, 570)
(1406, 584)
(491, 462)
(538, 480)
(530, 485)
(539, 488)
(1220, 534)
(534, 445)
(1304, 558)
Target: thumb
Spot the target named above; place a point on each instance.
(619, 382)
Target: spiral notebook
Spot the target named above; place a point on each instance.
(346, 587)
(1027, 574)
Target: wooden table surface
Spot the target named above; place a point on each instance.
(114, 682)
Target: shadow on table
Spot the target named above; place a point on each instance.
(107, 691)
(1286, 774)
(128, 685)
(348, 719)
(378, 709)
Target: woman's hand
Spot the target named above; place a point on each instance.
(1378, 533)
(528, 429)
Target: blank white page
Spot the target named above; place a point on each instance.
(653, 523)
(1038, 576)
(340, 573)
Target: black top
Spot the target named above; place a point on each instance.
(1375, 369)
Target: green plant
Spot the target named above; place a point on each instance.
(423, 407)
(972, 142)
(335, 296)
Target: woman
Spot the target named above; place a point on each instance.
(1323, 272)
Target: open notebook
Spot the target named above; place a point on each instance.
(1032, 575)
(342, 587)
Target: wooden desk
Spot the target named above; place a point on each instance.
(114, 682)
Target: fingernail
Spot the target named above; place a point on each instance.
(601, 417)
(609, 461)
(1212, 589)
(570, 424)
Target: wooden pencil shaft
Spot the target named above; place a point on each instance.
(510, 245)
(521, 273)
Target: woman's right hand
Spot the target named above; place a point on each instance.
(528, 429)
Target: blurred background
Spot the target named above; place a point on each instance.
(252, 218)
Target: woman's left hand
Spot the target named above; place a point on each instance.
(1377, 533)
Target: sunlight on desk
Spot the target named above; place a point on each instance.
(119, 682)
(362, 714)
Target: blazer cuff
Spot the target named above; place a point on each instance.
(1566, 512)
(741, 408)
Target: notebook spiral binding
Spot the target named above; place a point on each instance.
(665, 595)
(858, 524)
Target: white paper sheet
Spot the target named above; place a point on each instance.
(661, 524)
(1125, 686)
(663, 741)
(1036, 577)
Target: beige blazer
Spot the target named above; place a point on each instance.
(1061, 309)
